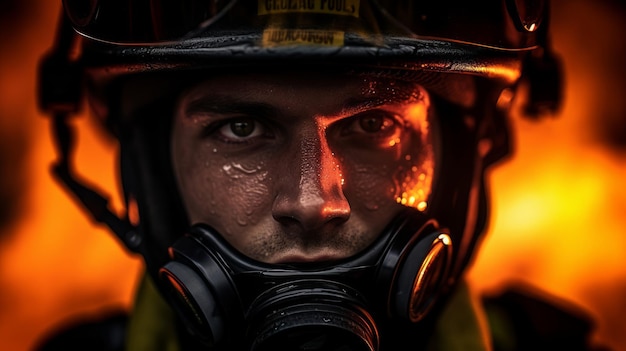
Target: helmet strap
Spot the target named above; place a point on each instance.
(96, 204)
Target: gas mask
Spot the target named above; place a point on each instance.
(227, 298)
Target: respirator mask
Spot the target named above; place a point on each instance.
(230, 301)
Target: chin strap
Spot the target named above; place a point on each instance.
(60, 96)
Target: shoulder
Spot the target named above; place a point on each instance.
(104, 333)
(522, 318)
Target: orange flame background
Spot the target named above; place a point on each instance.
(559, 205)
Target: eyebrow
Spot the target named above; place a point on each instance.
(355, 105)
(218, 104)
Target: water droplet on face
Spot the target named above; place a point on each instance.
(372, 206)
(243, 169)
(237, 170)
(242, 221)
(212, 207)
(422, 206)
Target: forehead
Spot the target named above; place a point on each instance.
(322, 92)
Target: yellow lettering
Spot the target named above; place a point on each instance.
(313, 37)
(335, 7)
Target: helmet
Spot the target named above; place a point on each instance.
(136, 57)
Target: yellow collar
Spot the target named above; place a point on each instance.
(462, 325)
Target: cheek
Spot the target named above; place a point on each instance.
(224, 194)
(414, 178)
(371, 187)
(246, 186)
(401, 176)
(197, 180)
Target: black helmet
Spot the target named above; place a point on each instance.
(134, 58)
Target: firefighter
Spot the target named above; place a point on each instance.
(299, 175)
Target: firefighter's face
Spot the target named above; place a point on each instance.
(301, 167)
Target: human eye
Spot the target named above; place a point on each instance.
(375, 124)
(240, 130)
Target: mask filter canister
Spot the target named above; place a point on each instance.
(312, 315)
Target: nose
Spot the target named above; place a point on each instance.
(311, 189)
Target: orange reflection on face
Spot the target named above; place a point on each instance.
(416, 186)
